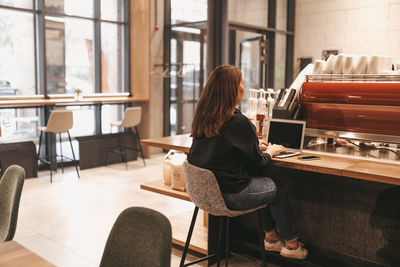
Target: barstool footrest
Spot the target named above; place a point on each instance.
(201, 259)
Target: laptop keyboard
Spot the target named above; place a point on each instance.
(284, 153)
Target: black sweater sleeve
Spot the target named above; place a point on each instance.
(241, 135)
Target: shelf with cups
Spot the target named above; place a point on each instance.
(381, 78)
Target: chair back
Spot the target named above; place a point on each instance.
(132, 117)
(10, 194)
(60, 121)
(204, 191)
(139, 237)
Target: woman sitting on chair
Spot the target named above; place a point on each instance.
(225, 142)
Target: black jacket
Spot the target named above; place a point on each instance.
(233, 155)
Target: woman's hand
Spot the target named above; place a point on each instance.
(263, 145)
(273, 150)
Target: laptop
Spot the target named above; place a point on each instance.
(289, 133)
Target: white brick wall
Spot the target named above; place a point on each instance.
(352, 26)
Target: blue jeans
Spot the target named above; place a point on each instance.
(277, 215)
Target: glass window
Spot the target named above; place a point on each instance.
(18, 124)
(190, 71)
(111, 58)
(281, 14)
(183, 10)
(254, 12)
(84, 120)
(19, 3)
(111, 113)
(69, 55)
(70, 7)
(280, 61)
(17, 53)
(112, 10)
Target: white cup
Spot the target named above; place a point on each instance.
(318, 66)
(338, 68)
(386, 64)
(348, 65)
(329, 64)
(362, 65)
(374, 64)
(397, 66)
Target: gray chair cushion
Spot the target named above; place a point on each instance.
(203, 189)
(10, 194)
(139, 237)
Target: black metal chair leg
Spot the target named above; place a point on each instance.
(40, 144)
(123, 152)
(227, 242)
(51, 159)
(73, 154)
(140, 146)
(221, 223)
(189, 236)
(62, 157)
(261, 238)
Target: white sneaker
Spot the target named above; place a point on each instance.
(273, 246)
(299, 253)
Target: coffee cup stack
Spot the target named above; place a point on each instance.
(318, 66)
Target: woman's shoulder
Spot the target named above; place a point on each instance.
(238, 119)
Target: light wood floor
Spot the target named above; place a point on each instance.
(67, 222)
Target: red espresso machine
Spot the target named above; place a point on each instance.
(365, 107)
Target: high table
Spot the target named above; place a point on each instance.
(345, 207)
(12, 254)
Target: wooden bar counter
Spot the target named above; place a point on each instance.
(346, 209)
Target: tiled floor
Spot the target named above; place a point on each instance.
(67, 222)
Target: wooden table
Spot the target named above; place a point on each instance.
(12, 254)
(335, 165)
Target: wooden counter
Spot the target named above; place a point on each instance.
(335, 165)
(336, 201)
(68, 101)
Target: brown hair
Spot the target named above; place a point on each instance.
(217, 101)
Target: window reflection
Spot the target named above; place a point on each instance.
(16, 53)
(69, 55)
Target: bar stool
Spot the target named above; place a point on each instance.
(132, 118)
(204, 192)
(60, 121)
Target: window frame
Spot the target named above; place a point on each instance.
(39, 13)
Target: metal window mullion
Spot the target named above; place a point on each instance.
(40, 32)
(291, 5)
(96, 53)
(126, 49)
(167, 62)
(271, 44)
(96, 59)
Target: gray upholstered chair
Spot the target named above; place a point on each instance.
(10, 193)
(139, 237)
(204, 192)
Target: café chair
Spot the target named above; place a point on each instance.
(60, 121)
(204, 192)
(11, 184)
(139, 237)
(131, 120)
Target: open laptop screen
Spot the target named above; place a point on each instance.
(286, 133)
